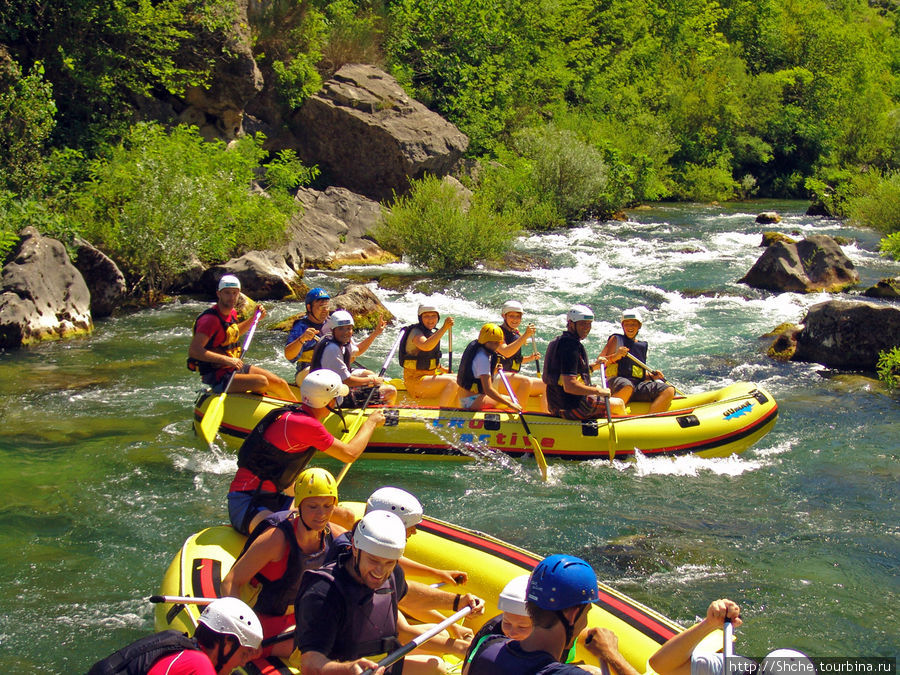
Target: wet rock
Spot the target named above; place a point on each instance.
(363, 304)
(104, 279)
(814, 264)
(42, 295)
(369, 136)
(264, 276)
(332, 230)
(769, 238)
(768, 217)
(847, 335)
(886, 289)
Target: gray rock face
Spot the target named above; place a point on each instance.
(264, 276)
(369, 136)
(847, 335)
(332, 229)
(104, 279)
(363, 304)
(42, 295)
(814, 264)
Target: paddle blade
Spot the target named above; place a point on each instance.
(539, 457)
(212, 419)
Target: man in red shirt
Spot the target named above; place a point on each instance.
(215, 349)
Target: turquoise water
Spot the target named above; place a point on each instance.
(103, 480)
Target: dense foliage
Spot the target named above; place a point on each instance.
(434, 227)
(663, 99)
(889, 368)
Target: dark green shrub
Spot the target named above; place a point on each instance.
(432, 227)
(889, 367)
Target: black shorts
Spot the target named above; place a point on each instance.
(358, 395)
(645, 390)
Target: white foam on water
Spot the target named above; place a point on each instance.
(692, 465)
(213, 461)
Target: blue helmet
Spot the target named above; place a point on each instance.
(562, 581)
(316, 294)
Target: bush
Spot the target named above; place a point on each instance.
(432, 228)
(706, 183)
(890, 245)
(889, 367)
(876, 202)
(160, 200)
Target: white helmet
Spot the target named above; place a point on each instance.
(229, 281)
(230, 616)
(632, 314)
(341, 318)
(396, 501)
(427, 308)
(512, 597)
(320, 386)
(782, 660)
(512, 306)
(579, 313)
(382, 534)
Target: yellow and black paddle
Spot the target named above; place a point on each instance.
(611, 429)
(215, 411)
(357, 423)
(535, 445)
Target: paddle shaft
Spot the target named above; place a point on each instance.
(180, 599)
(728, 647)
(537, 361)
(399, 653)
(246, 345)
(450, 349)
(357, 423)
(535, 445)
(651, 370)
(612, 430)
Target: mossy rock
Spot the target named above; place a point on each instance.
(770, 237)
(781, 329)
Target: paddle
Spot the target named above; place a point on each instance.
(611, 435)
(450, 349)
(357, 423)
(537, 361)
(535, 446)
(399, 653)
(181, 599)
(215, 411)
(728, 647)
(649, 369)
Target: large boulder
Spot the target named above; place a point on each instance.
(369, 136)
(812, 265)
(363, 304)
(887, 289)
(847, 335)
(103, 277)
(42, 295)
(332, 229)
(264, 275)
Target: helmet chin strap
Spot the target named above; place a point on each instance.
(569, 627)
(337, 411)
(221, 657)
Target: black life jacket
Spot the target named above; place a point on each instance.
(369, 618)
(138, 657)
(232, 348)
(465, 378)
(267, 461)
(277, 594)
(419, 360)
(512, 364)
(501, 656)
(625, 367)
(557, 397)
(346, 353)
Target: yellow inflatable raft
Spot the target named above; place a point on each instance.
(711, 424)
(206, 557)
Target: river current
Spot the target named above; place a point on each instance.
(102, 479)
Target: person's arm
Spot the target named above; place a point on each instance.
(491, 392)
(572, 385)
(674, 657)
(507, 350)
(293, 347)
(365, 344)
(348, 452)
(269, 547)
(611, 351)
(603, 643)
(440, 644)
(197, 350)
(424, 344)
(244, 325)
(421, 569)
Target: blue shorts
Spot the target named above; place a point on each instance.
(243, 506)
(645, 390)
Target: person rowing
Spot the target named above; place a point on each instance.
(306, 331)
(512, 359)
(420, 357)
(215, 349)
(476, 371)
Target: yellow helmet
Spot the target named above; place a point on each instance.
(314, 482)
(490, 332)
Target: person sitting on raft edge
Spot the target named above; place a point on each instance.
(512, 359)
(215, 349)
(283, 443)
(420, 358)
(567, 374)
(306, 331)
(626, 379)
(476, 371)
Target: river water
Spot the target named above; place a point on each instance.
(102, 478)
